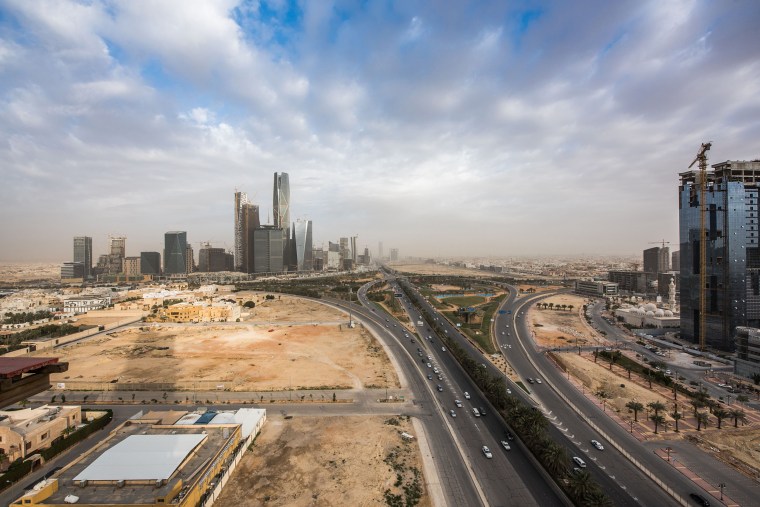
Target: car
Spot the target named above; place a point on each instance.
(458, 403)
(413, 341)
(429, 365)
(429, 357)
(505, 445)
(530, 380)
(406, 335)
(440, 388)
(699, 499)
(420, 354)
(509, 391)
(579, 462)
(482, 411)
(430, 377)
(440, 377)
(435, 370)
(510, 436)
(487, 452)
(443, 349)
(453, 414)
(467, 395)
(597, 444)
(538, 380)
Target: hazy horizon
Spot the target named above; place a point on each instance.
(473, 129)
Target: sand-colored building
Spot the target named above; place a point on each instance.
(201, 312)
(24, 432)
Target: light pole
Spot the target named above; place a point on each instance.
(668, 449)
(721, 486)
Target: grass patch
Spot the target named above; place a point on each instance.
(465, 301)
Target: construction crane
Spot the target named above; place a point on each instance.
(658, 242)
(702, 180)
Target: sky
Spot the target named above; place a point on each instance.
(446, 128)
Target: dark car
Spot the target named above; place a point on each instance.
(700, 499)
(482, 411)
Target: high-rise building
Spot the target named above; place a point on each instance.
(132, 266)
(657, 260)
(83, 254)
(72, 270)
(241, 201)
(175, 252)
(267, 246)
(189, 259)
(150, 263)
(394, 254)
(281, 201)
(732, 265)
(303, 243)
(354, 252)
(250, 222)
(117, 251)
(211, 260)
(675, 261)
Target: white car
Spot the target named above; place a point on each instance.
(509, 391)
(458, 403)
(467, 395)
(538, 380)
(453, 414)
(597, 444)
(429, 365)
(505, 445)
(487, 452)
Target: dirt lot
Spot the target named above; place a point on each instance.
(20, 272)
(243, 357)
(736, 446)
(559, 328)
(290, 309)
(437, 269)
(326, 461)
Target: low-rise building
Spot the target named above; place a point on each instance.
(26, 431)
(201, 312)
(648, 316)
(595, 288)
(83, 304)
(747, 362)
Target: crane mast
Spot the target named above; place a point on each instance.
(702, 159)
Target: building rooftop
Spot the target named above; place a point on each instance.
(14, 366)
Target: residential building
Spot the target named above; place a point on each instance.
(29, 430)
(303, 243)
(747, 362)
(83, 253)
(268, 250)
(84, 304)
(72, 271)
(175, 252)
(150, 263)
(657, 259)
(132, 266)
(732, 264)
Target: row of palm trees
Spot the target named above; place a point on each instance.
(657, 411)
(552, 306)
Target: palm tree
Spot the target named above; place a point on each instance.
(676, 415)
(598, 498)
(563, 306)
(657, 420)
(656, 406)
(551, 306)
(570, 308)
(697, 404)
(703, 419)
(738, 415)
(720, 413)
(555, 459)
(580, 485)
(635, 406)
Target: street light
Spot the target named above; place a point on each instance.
(721, 486)
(668, 449)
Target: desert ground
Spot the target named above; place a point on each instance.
(559, 328)
(289, 309)
(438, 269)
(288, 343)
(12, 272)
(327, 461)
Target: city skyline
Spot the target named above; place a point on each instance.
(537, 129)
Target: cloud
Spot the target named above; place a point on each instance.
(517, 128)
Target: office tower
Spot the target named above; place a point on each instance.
(657, 259)
(241, 201)
(333, 247)
(175, 252)
(211, 260)
(394, 254)
(189, 259)
(353, 249)
(150, 263)
(303, 245)
(281, 201)
(267, 246)
(117, 246)
(72, 270)
(132, 266)
(380, 251)
(83, 254)
(675, 261)
(732, 266)
(250, 221)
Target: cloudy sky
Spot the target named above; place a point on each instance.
(442, 128)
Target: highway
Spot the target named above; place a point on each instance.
(510, 477)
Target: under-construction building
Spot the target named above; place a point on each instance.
(241, 200)
(732, 260)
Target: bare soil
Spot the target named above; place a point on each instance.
(560, 328)
(289, 309)
(437, 269)
(326, 461)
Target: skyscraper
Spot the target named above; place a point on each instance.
(189, 259)
(267, 245)
(250, 222)
(175, 252)
(117, 246)
(150, 263)
(732, 265)
(241, 200)
(675, 261)
(657, 260)
(353, 249)
(281, 201)
(83, 254)
(303, 243)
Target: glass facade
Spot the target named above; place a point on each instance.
(175, 250)
(83, 254)
(150, 263)
(304, 247)
(268, 250)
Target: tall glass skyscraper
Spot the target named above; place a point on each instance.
(175, 252)
(241, 201)
(83, 253)
(733, 252)
(281, 201)
(304, 246)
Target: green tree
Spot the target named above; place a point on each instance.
(677, 416)
(657, 419)
(720, 413)
(635, 407)
(703, 419)
(656, 407)
(570, 307)
(598, 498)
(555, 459)
(580, 484)
(738, 415)
(249, 304)
(696, 404)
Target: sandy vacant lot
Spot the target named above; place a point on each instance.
(242, 357)
(326, 461)
(289, 309)
(20, 272)
(559, 328)
(437, 269)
